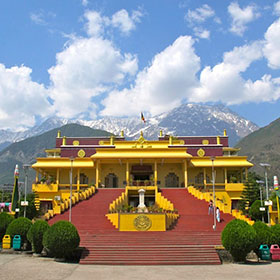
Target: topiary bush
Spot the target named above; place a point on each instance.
(5, 220)
(35, 235)
(19, 226)
(61, 239)
(254, 211)
(276, 234)
(239, 238)
(264, 235)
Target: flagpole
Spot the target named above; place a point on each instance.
(15, 197)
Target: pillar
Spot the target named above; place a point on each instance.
(170, 140)
(78, 179)
(204, 178)
(155, 174)
(37, 175)
(160, 133)
(58, 134)
(57, 176)
(186, 173)
(97, 175)
(246, 173)
(218, 140)
(127, 175)
(226, 176)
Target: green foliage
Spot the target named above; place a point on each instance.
(5, 220)
(250, 194)
(61, 239)
(254, 211)
(264, 235)
(35, 235)
(239, 238)
(19, 226)
(31, 211)
(276, 234)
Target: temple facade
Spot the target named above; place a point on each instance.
(202, 163)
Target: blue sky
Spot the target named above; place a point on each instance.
(88, 59)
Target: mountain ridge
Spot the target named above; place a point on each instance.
(187, 119)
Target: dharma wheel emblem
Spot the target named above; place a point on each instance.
(200, 152)
(142, 222)
(81, 153)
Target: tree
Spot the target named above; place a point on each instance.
(250, 194)
(31, 211)
(254, 211)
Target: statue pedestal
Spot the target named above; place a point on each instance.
(142, 207)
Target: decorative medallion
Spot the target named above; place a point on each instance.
(76, 143)
(142, 222)
(205, 142)
(81, 153)
(201, 153)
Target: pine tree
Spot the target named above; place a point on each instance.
(250, 194)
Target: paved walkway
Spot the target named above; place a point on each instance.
(21, 266)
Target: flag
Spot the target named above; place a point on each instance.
(142, 118)
(15, 197)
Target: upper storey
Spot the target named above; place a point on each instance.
(118, 147)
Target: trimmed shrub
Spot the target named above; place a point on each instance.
(61, 239)
(5, 220)
(276, 234)
(239, 238)
(264, 235)
(19, 226)
(35, 235)
(254, 212)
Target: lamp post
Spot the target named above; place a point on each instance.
(260, 182)
(214, 198)
(266, 165)
(71, 186)
(25, 204)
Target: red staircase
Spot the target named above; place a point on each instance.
(191, 241)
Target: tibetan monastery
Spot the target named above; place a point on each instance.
(193, 162)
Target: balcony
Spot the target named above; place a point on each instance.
(235, 187)
(53, 188)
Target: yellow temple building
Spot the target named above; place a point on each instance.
(84, 164)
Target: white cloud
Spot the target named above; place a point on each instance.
(95, 24)
(241, 17)
(161, 86)
(87, 68)
(21, 99)
(272, 45)
(224, 83)
(200, 14)
(84, 3)
(124, 22)
(277, 8)
(38, 18)
(201, 33)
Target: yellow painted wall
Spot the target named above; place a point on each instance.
(117, 169)
(166, 168)
(126, 222)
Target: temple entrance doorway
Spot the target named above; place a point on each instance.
(111, 181)
(142, 175)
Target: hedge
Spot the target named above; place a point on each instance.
(19, 226)
(61, 239)
(5, 220)
(35, 235)
(239, 238)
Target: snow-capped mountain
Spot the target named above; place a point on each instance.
(187, 119)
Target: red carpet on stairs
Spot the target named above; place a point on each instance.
(190, 241)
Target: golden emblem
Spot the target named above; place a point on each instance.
(76, 143)
(205, 142)
(142, 222)
(200, 152)
(81, 153)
